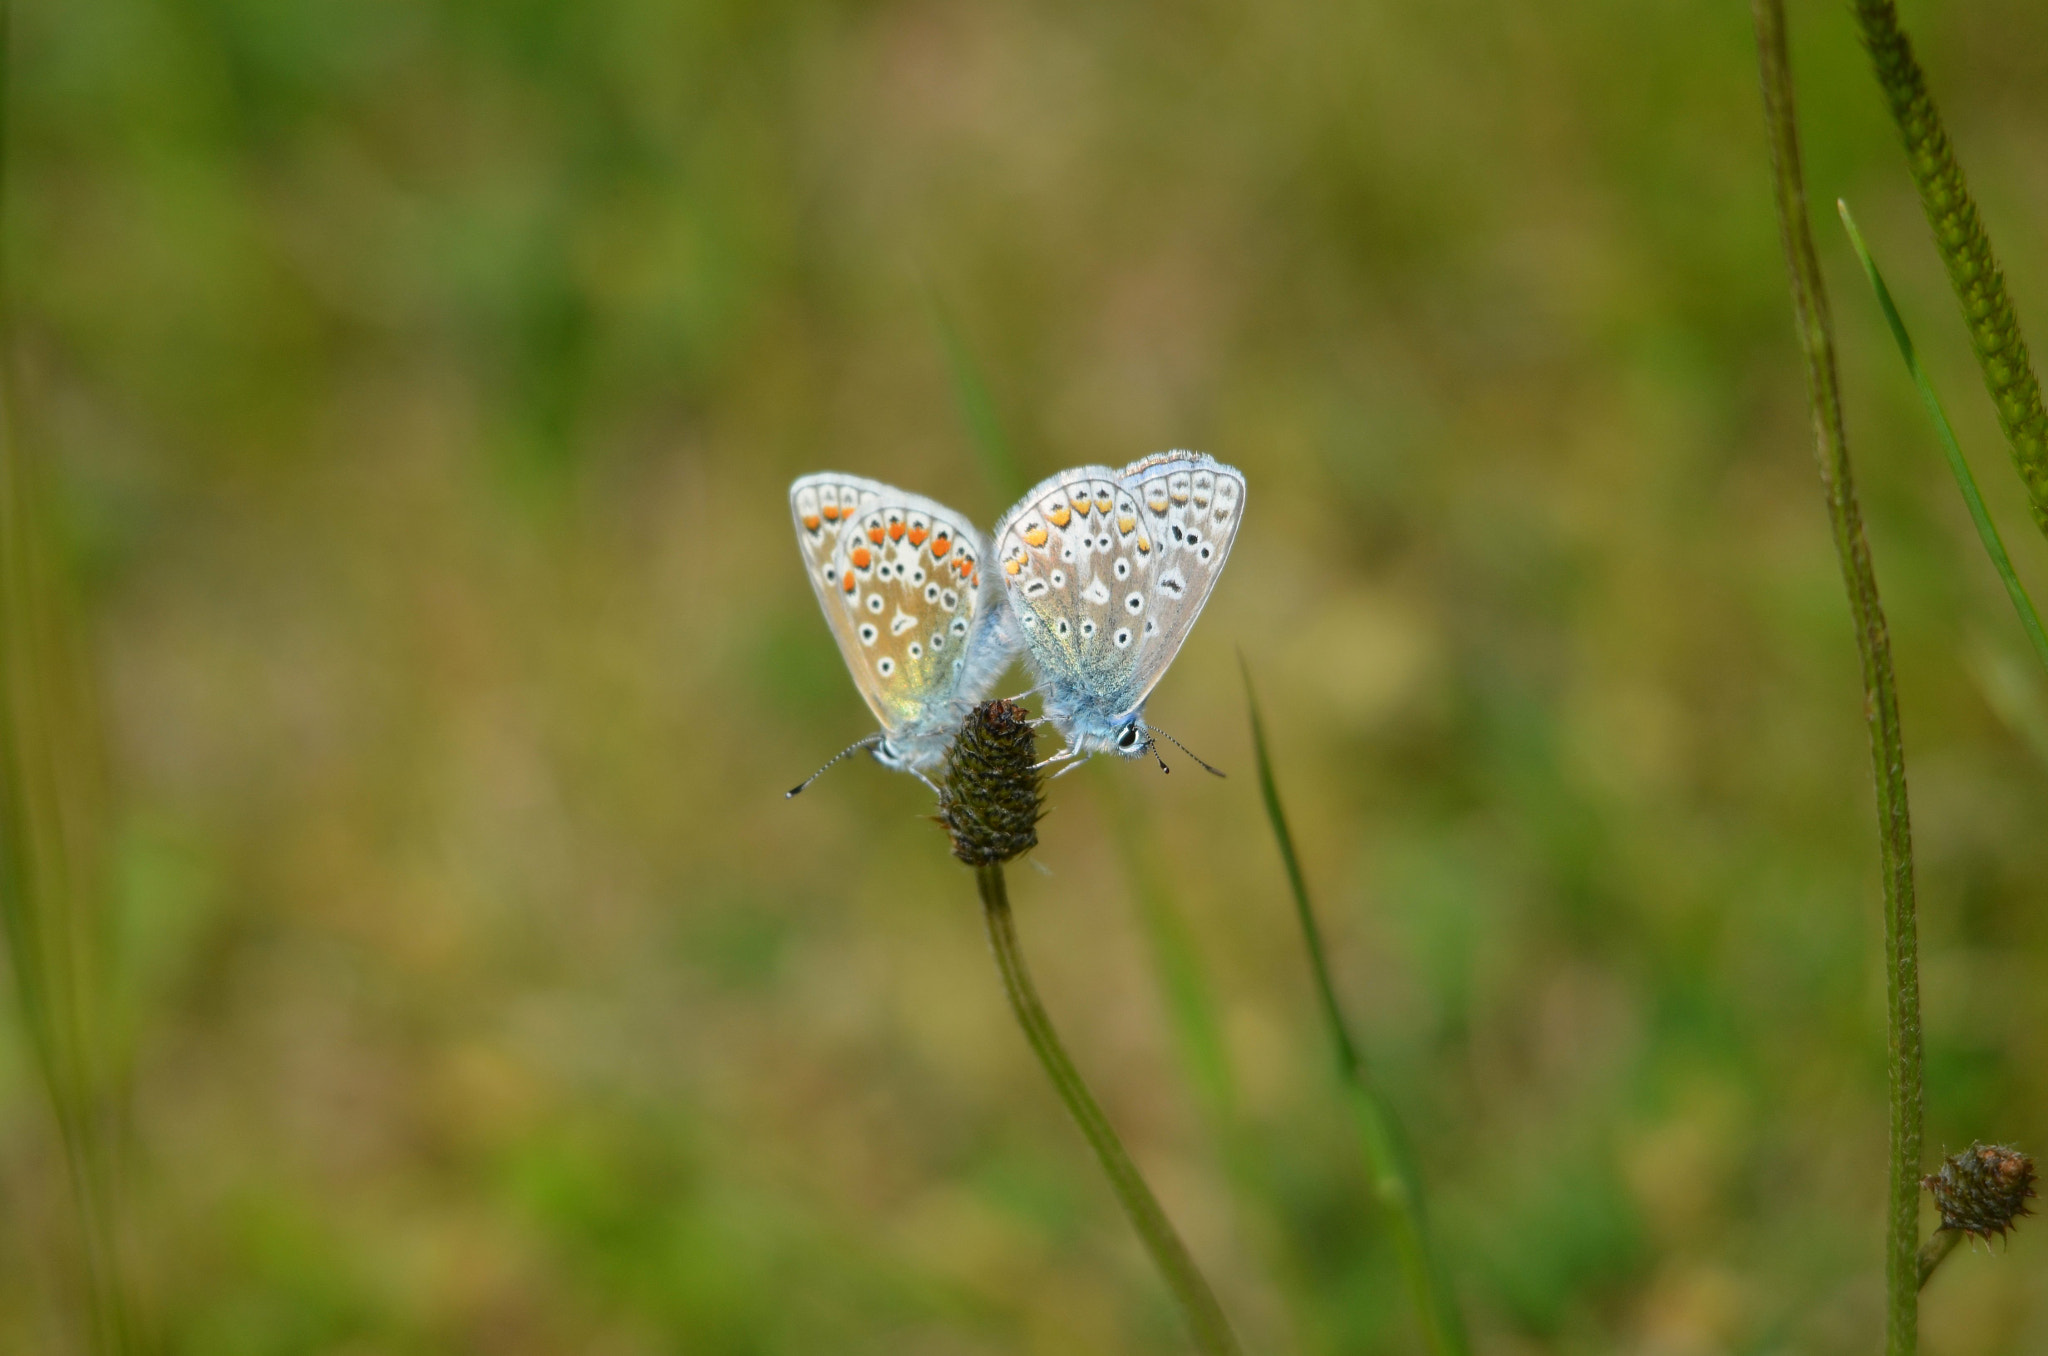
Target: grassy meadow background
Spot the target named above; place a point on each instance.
(417, 385)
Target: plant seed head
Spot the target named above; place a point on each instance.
(991, 798)
(1983, 1190)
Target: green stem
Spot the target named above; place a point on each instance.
(1935, 1251)
(1198, 1303)
(1880, 705)
(1987, 531)
(1394, 1179)
(1965, 248)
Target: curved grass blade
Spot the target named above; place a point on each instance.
(1392, 1170)
(1987, 531)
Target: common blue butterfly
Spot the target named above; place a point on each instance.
(900, 580)
(1106, 572)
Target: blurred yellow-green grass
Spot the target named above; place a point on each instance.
(419, 384)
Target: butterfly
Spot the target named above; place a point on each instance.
(900, 580)
(1106, 572)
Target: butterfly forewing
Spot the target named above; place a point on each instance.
(1107, 570)
(898, 577)
(1188, 508)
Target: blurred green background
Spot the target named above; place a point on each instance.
(418, 385)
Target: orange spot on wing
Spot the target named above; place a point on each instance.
(1083, 506)
(831, 512)
(810, 522)
(1035, 536)
(1145, 544)
(847, 584)
(861, 559)
(895, 532)
(940, 545)
(1125, 523)
(1060, 516)
(917, 536)
(875, 535)
(1012, 566)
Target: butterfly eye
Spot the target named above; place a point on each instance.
(1128, 739)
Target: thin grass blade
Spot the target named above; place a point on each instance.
(977, 408)
(1392, 1168)
(1987, 531)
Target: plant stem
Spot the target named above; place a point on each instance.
(1394, 1179)
(1987, 531)
(1935, 1251)
(1880, 706)
(1198, 1303)
(1964, 246)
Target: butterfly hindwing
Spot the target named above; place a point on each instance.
(899, 579)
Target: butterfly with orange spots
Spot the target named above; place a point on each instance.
(1106, 572)
(920, 626)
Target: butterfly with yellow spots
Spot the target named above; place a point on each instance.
(920, 625)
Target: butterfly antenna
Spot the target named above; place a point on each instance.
(867, 743)
(1217, 772)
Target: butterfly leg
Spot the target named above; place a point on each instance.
(1068, 768)
(1062, 756)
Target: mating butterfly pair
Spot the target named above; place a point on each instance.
(1097, 576)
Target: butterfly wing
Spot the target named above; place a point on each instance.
(1069, 553)
(1106, 572)
(1189, 506)
(899, 579)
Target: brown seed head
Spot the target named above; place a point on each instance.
(991, 798)
(1983, 1190)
